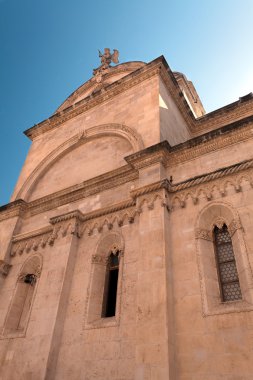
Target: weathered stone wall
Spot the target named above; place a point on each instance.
(136, 108)
(158, 209)
(173, 127)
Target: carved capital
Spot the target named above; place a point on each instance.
(116, 250)
(234, 225)
(203, 234)
(4, 268)
(219, 222)
(96, 259)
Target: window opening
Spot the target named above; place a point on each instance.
(226, 265)
(21, 305)
(30, 279)
(111, 285)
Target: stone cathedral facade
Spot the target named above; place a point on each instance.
(127, 246)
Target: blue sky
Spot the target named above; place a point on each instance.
(49, 48)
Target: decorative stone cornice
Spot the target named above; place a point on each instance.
(164, 184)
(76, 214)
(91, 187)
(4, 268)
(193, 188)
(161, 152)
(109, 210)
(216, 119)
(108, 221)
(228, 171)
(202, 145)
(32, 234)
(13, 209)
(229, 114)
(32, 241)
(125, 83)
(69, 222)
(156, 154)
(127, 67)
(208, 190)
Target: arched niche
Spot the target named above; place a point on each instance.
(21, 304)
(218, 214)
(110, 246)
(89, 153)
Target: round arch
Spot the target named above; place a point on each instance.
(78, 139)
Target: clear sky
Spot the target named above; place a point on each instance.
(49, 48)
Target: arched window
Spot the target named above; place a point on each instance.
(224, 269)
(111, 285)
(19, 311)
(226, 265)
(105, 287)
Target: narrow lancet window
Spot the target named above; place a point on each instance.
(21, 305)
(111, 285)
(226, 265)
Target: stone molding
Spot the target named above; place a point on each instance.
(127, 67)
(159, 66)
(215, 144)
(203, 234)
(78, 139)
(77, 223)
(179, 193)
(221, 117)
(96, 259)
(13, 209)
(234, 226)
(204, 185)
(210, 190)
(91, 101)
(32, 234)
(91, 187)
(25, 243)
(216, 214)
(158, 153)
(142, 159)
(107, 222)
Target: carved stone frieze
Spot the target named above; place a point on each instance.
(214, 144)
(94, 222)
(191, 188)
(27, 244)
(210, 189)
(13, 209)
(116, 250)
(90, 187)
(203, 234)
(148, 160)
(234, 226)
(219, 222)
(102, 260)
